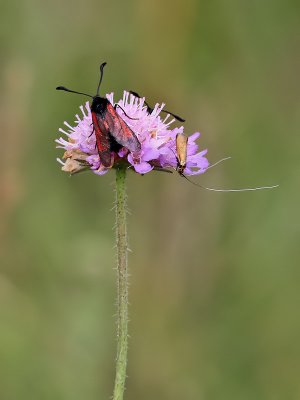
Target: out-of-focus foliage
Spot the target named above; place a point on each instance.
(215, 277)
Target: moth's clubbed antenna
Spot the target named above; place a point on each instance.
(72, 91)
(101, 76)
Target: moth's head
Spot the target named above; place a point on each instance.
(99, 104)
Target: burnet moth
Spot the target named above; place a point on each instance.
(110, 129)
(150, 109)
(181, 157)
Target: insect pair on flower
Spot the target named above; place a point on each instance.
(129, 129)
(132, 133)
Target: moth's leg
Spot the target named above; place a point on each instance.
(92, 130)
(117, 105)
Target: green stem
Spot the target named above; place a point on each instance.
(122, 301)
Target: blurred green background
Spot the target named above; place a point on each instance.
(215, 277)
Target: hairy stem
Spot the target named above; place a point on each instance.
(122, 280)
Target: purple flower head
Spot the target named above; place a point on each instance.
(157, 139)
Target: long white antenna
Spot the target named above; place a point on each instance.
(239, 190)
(218, 162)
